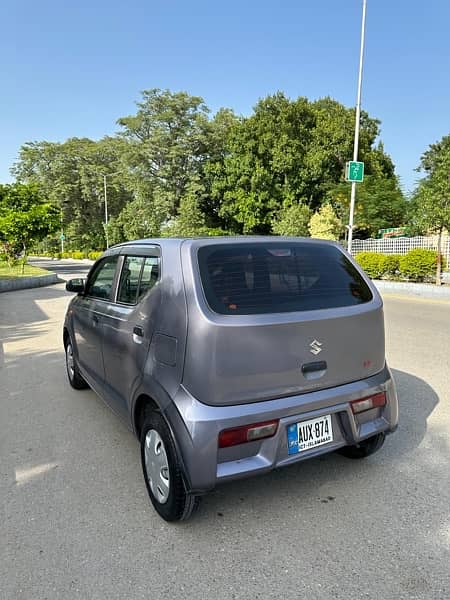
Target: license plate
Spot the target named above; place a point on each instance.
(309, 434)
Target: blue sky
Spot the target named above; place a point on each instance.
(73, 68)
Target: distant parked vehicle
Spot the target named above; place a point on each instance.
(229, 357)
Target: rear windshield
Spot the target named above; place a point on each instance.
(258, 278)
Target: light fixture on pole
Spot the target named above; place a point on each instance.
(357, 120)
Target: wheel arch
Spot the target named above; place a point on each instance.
(143, 404)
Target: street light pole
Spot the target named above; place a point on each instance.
(357, 120)
(106, 213)
(61, 237)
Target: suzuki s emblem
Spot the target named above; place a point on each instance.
(316, 347)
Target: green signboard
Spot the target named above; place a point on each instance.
(354, 171)
(392, 232)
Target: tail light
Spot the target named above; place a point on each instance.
(247, 433)
(363, 404)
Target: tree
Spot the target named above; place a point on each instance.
(211, 181)
(331, 146)
(379, 204)
(324, 224)
(166, 143)
(430, 206)
(292, 220)
(190, 220)
(140, 218)
(290, 150)
(25, 218)
(437, 157)
(242, 171)
(70, 175)
(265, 165)
(163, 150)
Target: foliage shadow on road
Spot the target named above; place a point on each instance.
(31, 317)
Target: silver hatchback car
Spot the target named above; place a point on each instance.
(229, 357)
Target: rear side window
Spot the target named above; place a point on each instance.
(246, 279)
(139, 274)
(129, 279)
(149, 275)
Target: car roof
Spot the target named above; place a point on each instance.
(214, 240)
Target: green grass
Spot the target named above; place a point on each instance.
(16, 271)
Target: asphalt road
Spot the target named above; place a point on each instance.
(75, 520)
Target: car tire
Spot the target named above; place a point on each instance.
(76, 380)
(364, 448)
(162, 470)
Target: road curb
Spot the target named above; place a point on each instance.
(22, 283)
(87, 261)
(421, 290)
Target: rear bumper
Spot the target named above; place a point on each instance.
(196, 427)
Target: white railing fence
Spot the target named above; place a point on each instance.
(402, 245)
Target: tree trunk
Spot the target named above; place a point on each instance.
(439, 258)
(24, 259)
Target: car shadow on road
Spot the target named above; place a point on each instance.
(310, 481)
(80, 466)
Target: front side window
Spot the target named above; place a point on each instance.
(139, 275)
(100, 283)
(263, 278)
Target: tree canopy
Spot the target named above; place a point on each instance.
(380, 203)
(175, 166)
(70, 174)
(25, 217)
(430, 205)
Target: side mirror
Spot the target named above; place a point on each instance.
(75, 285)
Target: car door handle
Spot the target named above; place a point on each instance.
(95, 319)
(314, 370)
(314, 367)
(138, 334)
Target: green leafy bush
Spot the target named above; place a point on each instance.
(419, 264)
(391, 265)
(93, 255)
(374, 264)
(75, 254)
